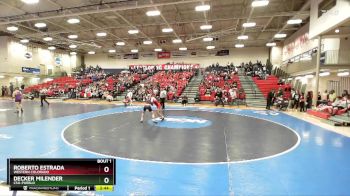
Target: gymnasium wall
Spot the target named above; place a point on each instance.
(41, 58)
(236, 56)
(329, 20)
(276, 56)
(323, 83)
(12, 59)
(298, 43)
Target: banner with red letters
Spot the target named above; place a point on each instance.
(168, 66)
(164, 55)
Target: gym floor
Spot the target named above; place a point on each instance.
(196, 150)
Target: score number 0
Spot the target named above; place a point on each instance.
(106, 170)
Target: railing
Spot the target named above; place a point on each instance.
(251, 84)
(306, 56)
(335, 57)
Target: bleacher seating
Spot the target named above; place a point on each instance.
(61, 85)
(319, 114)
(271, 82)
(178, 80)
(57, 84)
(174, 82)
(205, 94)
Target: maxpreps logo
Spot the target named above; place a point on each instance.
(182, 122)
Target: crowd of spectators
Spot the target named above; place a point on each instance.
(327, 102)
(91, 82)
(221, 84)
(255, 69)
(105, 86)
(7, 91)
(173, 82)
(332, 104)
(288, 97)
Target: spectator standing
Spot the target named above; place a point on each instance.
(269, 100)
(324, 96)
(332, 96)
(309, 100)
(11, 88)
(184, 100)
(296, 99)
(197, 98)
(319, 97)
(302, 102)
(2, 91)
(292, 93)
(219, 98)
(345, 93)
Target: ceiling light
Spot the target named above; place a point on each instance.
(24, 41)
(260, 3)
(2, 76)
(73, 53)
(280, 35)
(208, 39)
(19, 77)
(52, 48)
(294, 21)
(239, 45)
(210, 47)
(158, 50)
(40, 25)
(134, 31)
(183, 49)
(337, 31)
(167, 30)
(73, 21)
(48, 39)
(325, 74)
(12, 28)
(309, 76)
(92, 52)
(101, 34)
(112, 51)
(134, 50)
(153, 13)
(147, 42)
(271, 44)
(72, 36)
(177, 41)
(206, 27)
(202, 8)
(73, 46)
(249, 24)
(30, 1)
(342, 74)
(120, 43)
(242, 37)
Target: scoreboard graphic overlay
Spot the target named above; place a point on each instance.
(61, 174)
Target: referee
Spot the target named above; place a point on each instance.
(43, 94)
(163, 95)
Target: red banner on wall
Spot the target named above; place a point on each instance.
(172, 66)
(164, 55)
